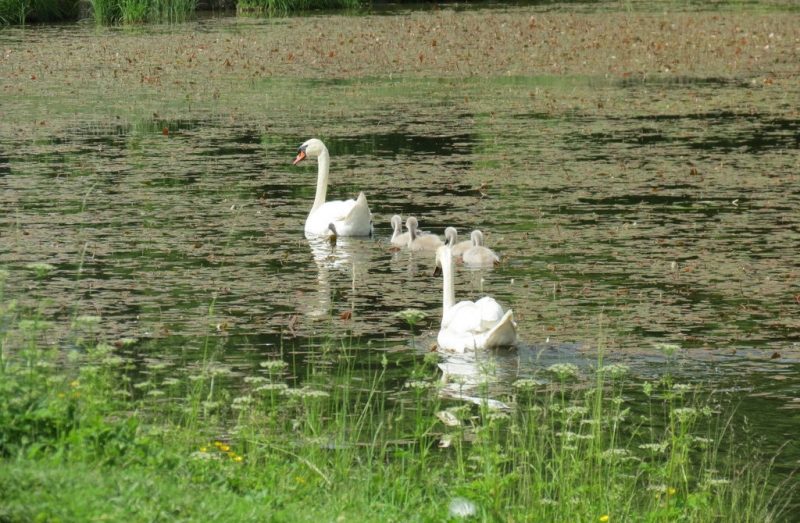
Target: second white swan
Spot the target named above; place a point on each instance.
(349, 218)
(467, 325)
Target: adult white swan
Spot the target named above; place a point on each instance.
(349, 218)
(470, 325)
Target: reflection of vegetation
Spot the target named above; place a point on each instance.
(296, 5)
(268, 438)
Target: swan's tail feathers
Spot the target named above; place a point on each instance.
(504, 334)
(359, 218)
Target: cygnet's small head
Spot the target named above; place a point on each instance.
(444, 256)
(450, 236)
(309, 148)
(412, 224)
(477, 238)
(397, 222)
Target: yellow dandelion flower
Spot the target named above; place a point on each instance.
(231, 454)
(224, 448)
(604, 518)
(671, 491)
(203, 449)
(74, 384)
(299, 479)
(217, 444)
(238, 459)
(62, 395)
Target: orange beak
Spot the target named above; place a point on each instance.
(301, 155)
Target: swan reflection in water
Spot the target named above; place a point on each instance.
(334, 258)
(478, 376)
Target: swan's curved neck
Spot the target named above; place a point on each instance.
(398, 229)
(412, 234)
(324, 160)
(448, 282)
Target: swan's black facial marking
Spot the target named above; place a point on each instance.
(301, 154)
(437, 272)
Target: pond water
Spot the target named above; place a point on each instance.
(636, 171)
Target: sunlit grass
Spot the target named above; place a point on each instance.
(340, 441)
(139, 11)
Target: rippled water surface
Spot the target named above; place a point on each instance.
(636, 171)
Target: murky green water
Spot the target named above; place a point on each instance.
(637, 173)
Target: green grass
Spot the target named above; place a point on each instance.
(18, 12)
(91, 433)
(139, 11)
(23, 11)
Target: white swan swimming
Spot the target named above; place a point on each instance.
(349, 218)
(398, 236)
(470, 325)
(478, 255)
(451, 239)
(421, 242)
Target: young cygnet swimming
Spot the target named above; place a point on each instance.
(398, 236)
(451, 240)
(478, 255)
(421, 242)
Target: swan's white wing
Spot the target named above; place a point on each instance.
(503, 334)
(462, 317)
(470, 326)
(491, 312)
(350, 218)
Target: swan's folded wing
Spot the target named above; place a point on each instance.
(491, 312)
(504, 333)
(463, 318)
(359, 217)
(350, 218)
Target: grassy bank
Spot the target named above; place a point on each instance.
(96, 428)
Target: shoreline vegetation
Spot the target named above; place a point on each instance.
(112, 12)
(90, 431)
